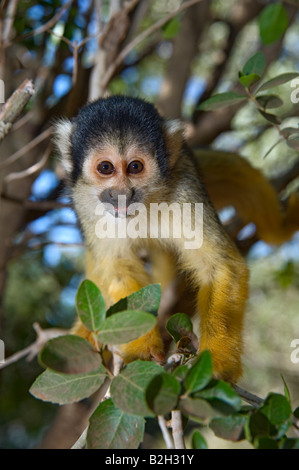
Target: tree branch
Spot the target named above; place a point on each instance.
(9, 20)
(165, 433)
(185, 49)
(31, 351)
(177, 429)
(145, 34)
(28, 171)
(45, 27)
(27, 148)
(14, 106)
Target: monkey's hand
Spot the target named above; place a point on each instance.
(148, 347)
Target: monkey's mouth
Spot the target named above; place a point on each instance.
(118, 212)
(121, 212)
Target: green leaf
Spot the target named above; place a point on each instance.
(255, 65)
(111, 428)
(146, 299)
(70, 354)
(286, 275)
(198, 441)
(247, 80)
(262, 442)
(125, 326)
(273, 22)
(279, 80)
(196, 408)
(67, 388)
(271, 117)
(269, 101)
(293, 142)
(162, 393)
(229, 427)
(287, 131)
(273, 146)
(129, 387)
(90, 305)
(200, 373)
(171, 28)
(286, 390)
(258, 425)
(221, 100)
(180, 372)
(272, 419)
(277, 409)
(179, 325)
(221, 396)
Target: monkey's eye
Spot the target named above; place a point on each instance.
(135, 167)
(106, 168)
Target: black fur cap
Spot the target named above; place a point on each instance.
(122, 121)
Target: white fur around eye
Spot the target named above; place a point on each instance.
(62, 139)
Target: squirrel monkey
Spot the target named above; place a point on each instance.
(120, 147)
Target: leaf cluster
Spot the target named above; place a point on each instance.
(272, 22)
(75, 369)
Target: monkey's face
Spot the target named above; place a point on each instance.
(118, 179)
(119, 152)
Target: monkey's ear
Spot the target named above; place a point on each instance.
(174, 139)
(62, 139)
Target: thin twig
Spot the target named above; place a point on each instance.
(45, 27)
(9, 20)
(31, 351)
(165, 433)
(81, 442)
(75, 47)
(256, 401)
(148, 32)
(262, 110)
(27, 148)
(177, 429)
(25, 173)
(28, 171)
(35, 205)
(250, 398)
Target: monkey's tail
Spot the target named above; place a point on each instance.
(231, 181)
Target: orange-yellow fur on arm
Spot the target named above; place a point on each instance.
(118, 279)
(221, 303)
(222, 276)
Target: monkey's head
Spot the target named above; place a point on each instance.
(117, 146)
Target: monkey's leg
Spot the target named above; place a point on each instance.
(221, 301)
(117, 278)
(221, 305)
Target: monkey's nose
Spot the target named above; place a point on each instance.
(121, 195)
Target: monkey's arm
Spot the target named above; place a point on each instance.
(231, 181)
(221, 302)
(220, 275)
(117, 277)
